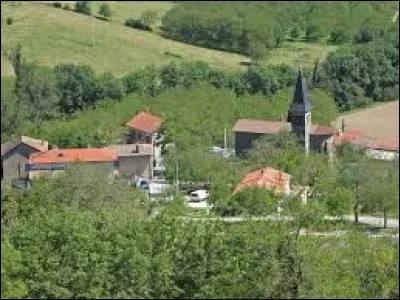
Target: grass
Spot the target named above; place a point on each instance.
(50, 36)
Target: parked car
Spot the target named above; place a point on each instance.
(198, 195)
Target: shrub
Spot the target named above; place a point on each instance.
(57, 4)
(9, 20)
(295, 32)
(83, 7)
(313, 33)
(137, 24)
(338, 36)
(67, 6)
(105, 10)
(364, 35)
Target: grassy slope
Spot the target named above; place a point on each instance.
(50, 36)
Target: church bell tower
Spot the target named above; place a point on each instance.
(299, 114)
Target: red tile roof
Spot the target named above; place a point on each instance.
(357, 138)
(321, 130)
(265, 178)
(74, 155)
(259, 126)
(146, 122)
(39, 145)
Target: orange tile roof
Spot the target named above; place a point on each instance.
(260, 126)
(146, 122)
(74, 155)
(357, 138)
(265, 178)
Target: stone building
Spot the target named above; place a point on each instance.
(15, 154)
(317, 138)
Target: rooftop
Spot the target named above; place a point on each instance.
(357, 138)
(259, 126)
(146, 122)
(321, 130)
(39, 145)
(264, 178)
(74, 155)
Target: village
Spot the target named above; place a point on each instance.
(138, 158)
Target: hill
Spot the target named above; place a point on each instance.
(51, 36)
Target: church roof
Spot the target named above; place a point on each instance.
(259, 126)
(301, 102)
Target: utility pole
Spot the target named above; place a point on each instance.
(176, 179)
(225, 139)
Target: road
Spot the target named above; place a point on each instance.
(369, 220)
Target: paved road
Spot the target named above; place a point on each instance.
(369, 220)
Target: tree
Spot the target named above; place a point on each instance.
(83, 7)
(149, 17)
(105, 10)
(313, 33)
(295, 32)
(11, 285)
(338, 36)
(257, 50)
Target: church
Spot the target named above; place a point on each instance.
(313, 137)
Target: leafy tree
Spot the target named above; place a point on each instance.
(338, 36)
(12, 286)
(83, 7)
(105, 10)
(295, 32)
(313, 33)
(257, 51)
(149, 17)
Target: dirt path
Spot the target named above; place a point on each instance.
(381, 121)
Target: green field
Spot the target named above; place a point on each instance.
(51, 36)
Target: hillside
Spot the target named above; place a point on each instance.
(50, 36)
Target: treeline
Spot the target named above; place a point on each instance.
(247, 26)
(42, 94)
(64, 239)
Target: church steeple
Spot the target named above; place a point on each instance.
(301, 102)
(300, 113)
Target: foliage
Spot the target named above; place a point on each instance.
(83, 7)
(359, 74)
(232, 26)
(66, 6)
(338, 36)
(105, 10)
(57, 4)
(257, 50)
(138, 24)
(149, 17)
(9, 20)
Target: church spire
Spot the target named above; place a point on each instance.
(301, 102)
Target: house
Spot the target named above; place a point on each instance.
(268, 178)
(57, 160)
(313, 137)
(145, 128)
(135, 159)
(377, 148)
(15, 154)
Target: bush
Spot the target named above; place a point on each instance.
(338, 36)
(364, 35)
(105, 10)
(83, 7)
(57, 4)
(295, 32)
(313, 33)
(67, 6)
(9, 20)
(133, 23)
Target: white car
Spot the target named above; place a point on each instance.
(198, 195)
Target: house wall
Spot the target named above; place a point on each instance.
(317, 143)
(382, 154)
(56, 171)
(14, 162)
(244, 141)
(136, 165)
